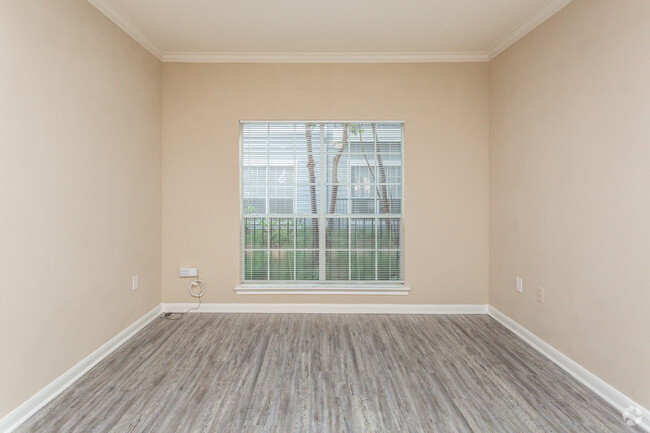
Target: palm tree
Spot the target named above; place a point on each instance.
(312, 181)
(381, 190)
(383, 197)
(335, 178)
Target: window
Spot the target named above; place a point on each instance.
(279, 196)
(321, 202)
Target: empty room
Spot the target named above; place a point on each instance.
(427, 216)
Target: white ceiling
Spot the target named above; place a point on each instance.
(327, 30)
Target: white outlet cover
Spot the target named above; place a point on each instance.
(134, 283)
(520, 285)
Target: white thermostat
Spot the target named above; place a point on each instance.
(188, 272)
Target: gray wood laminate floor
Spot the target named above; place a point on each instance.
(326, 373)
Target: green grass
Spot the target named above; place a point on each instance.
(301, 263)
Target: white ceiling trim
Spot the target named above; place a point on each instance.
(117, 16)
(526, 27)
(114, 14)
(324, 57)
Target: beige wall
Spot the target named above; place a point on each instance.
(445, 107)
(80, 134)
(79, 188)
(570, 187)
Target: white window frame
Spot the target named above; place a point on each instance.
(321, 287)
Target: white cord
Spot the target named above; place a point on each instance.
(202, 288)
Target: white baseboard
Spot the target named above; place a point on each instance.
(620, 401)
(19, 415)
(331, 308)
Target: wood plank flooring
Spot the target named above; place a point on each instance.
(321, 373)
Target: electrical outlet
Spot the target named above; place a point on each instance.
(134, 283)
(540, 295)
(520, 285)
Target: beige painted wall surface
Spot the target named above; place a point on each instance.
(570, 187)
(79, 187)
(445, 107)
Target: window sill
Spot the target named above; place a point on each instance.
(320, 289)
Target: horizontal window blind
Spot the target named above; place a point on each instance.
(321, 202)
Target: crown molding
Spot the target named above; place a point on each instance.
(405, 57)
(526, 27)
(117, 16)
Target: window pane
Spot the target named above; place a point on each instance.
(337, 194)
(254, 205)
(337, 265)
(337, 233)
(362, 265)
(281, 265)
(363, 205)
(334, 137)
(307, 233)
(256, 265)
(308, 199)
(255, 190)
(365, 190)
(255, 175)
(281, 205)
(362, 233)
(280, 158)
(390, 206)
(396, 206)
(280, 182)
(338, 166)
(389, 233)
(307, 164)
(281, 233)
(362, 142)
(255, 235)
(363, 174)
(307, 265)
(388, 265)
